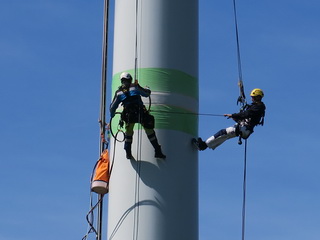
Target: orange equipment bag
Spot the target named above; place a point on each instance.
(100, 183)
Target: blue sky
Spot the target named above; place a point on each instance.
(50, 89)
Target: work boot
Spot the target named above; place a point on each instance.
(201, 145)
(128, 154)
(158, 153)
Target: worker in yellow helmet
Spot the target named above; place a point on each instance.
(251, 116)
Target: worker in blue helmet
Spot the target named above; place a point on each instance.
(134, 111)
(246, 120)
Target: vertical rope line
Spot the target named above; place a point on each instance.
(136, 42)
(103, 107)
(137, 183)
(237, 39)
(244, 191)
(242, 97)
(138, 162)
(138, 172)
(242, 100)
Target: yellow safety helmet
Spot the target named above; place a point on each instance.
(257, 92)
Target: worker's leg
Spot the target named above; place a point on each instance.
(154, 141)
(128, 139)
(244, 131)
(221, 136)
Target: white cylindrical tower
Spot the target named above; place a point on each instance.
(149, 198)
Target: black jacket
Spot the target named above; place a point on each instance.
(252, 114)
(128, 96)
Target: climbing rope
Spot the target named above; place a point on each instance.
(139, 143)
(242, 101)
(90, 218)
(136, 42)
(137, 183)
(103, 107)
(242, 97)
(119, 126)
(244, 191)
(103, 144)
(189, 113)
(90, 214)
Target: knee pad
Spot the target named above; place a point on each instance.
(148, 121)
(230, 130)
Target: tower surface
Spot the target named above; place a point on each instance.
(150, 198)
